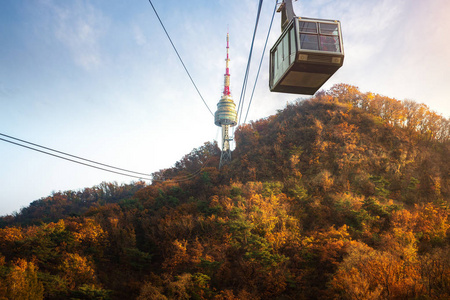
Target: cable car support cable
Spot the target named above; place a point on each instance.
(181, 60)
(89, 163)
(260, 63)
(74, 161)
(244, 85)
(74, 156)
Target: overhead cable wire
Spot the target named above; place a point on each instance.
(244, 85)
(72, 160)
(91, 162)
(180, 179)
(181, 60)
(260, 63)
(74, 156)
(187, 177)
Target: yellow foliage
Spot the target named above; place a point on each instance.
(77, 270)
(89, 232)
(178, 255)
(352, 284)
(10, 234)
(432, 222)
(58, 226)
(403, 219)
(22, 282)
(366, 271)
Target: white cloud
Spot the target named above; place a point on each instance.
(139, 36)
(79, 26)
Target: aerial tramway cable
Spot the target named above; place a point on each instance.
(181, 60)
(74, 156)
(260, 63)
(72, 160)
(90, 163)
(244, 85)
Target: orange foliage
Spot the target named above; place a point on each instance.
(77, 270)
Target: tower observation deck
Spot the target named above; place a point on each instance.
(226, 115)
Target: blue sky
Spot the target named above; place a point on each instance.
(99, 79)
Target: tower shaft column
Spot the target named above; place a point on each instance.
(225, 156)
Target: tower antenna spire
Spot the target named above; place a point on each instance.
(226, 88)
(226, 114)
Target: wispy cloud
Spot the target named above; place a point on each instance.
(139, 36)
(79, 26)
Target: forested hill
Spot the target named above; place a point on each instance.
(342, 196)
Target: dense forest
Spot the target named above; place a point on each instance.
(344, 195)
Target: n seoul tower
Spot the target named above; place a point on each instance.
(226, 115)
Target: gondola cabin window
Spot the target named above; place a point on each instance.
(324, 39)
(284, 54)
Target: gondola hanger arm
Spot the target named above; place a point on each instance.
(287, 13)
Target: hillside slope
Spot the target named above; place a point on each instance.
(345, 195)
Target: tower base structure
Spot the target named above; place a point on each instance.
(225, 156)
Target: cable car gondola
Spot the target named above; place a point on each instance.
(308, 52)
